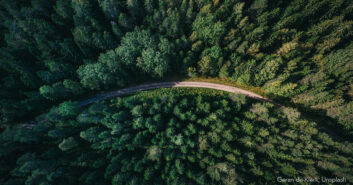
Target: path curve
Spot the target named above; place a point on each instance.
(195, 84)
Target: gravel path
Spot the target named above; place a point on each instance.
(139, 88)
(145, 87)
(195, 84)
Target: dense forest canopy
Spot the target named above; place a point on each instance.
(298, 52)
(188, 137)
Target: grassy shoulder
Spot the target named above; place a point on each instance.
(216, 80)
(227, 81)
(179, 91)
(254, 89)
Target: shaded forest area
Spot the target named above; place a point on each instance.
(189, 137)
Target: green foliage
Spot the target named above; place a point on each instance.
(73, 86)
(69, 108)
(100, 74)
(68, 144)
(138, 51)
(111, 9)
(51, 52)
(153, 62)
(211, 61)
(243, 141)
(273, 45)
(208, 29)
(55, 92)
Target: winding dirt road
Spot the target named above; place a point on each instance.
(139, 88)
(195, 84)
(145, 87)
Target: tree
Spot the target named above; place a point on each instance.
(137, 111)
(211, 61)
(134, 8)
(172, 23)
(224, 72)
(154, 153)
(124, 21)
(48, 92)
(208, 29)
(153, 62)
(142, 47)
(94, 76)
(258, 6)
(55, 92)
(64, 9)
(69, 108)
(91, 134)
(68, 144)
(288, 170)
(73, 86)
(111, 9)
(267, 71)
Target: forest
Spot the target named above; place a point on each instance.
(179, 137)
(54, 53)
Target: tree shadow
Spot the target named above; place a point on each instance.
(324, 123)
